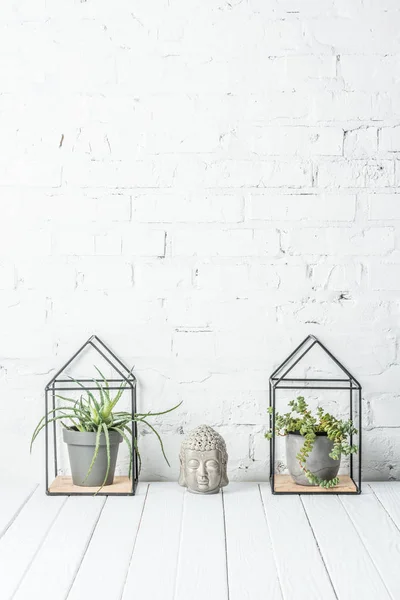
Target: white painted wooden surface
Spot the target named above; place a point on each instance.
(165, 543)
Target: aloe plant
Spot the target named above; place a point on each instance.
(91, 414)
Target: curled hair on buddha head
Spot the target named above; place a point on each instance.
(205, 438)
(202, 439)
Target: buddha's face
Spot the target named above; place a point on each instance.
(203, 471)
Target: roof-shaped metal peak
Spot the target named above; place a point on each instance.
(282, 373)
(103, 350)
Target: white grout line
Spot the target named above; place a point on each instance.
(226, 544)
(86, 548)
(16, 514)
(272, 541)
(383, 506)
(366, 549)
(318, 547)
(39, 547)
(180, 544)
(134, 541)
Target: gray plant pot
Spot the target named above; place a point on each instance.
(319, 462)
(81, 446)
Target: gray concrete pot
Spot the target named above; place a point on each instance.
(81, 447)
(319, 462)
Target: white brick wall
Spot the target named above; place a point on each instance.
(203, 184)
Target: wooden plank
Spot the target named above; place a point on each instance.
(351, 569)
(152, 569)
(57, 562)
(202, 568)
(23, 538)
(110, 549)
(301, 569)
(64, 485)
(285, 484)
(379, 535)
(250, 555)
(12, 501)
(388, 494)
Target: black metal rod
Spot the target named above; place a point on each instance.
(111, 364)
(296, 361)
(351, 435)
(115, 357)
(53, 394)
(272, 446)
(289, 358)
(338, 363)
(46, 443)
(359, 439)
(92, 380)
(68, 363)
(306, 387)
(77, 389)
(288, 379)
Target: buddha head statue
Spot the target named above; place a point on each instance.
(203, 459)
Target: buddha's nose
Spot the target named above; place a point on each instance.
(202, 471)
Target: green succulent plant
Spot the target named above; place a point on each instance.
(299, 419)
(89, 413)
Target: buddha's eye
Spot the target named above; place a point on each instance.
(212, 464)
(193, 464)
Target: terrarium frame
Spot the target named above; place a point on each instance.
(281, 380)
(62, 486)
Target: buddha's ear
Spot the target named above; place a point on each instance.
(182, 478)
(224, 479)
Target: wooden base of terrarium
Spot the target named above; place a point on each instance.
(284, 484)
(64, 486)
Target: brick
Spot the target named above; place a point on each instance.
(73, 243)
(377, 241)
(361, 143)
(243, 242)
(257, 173)
(384, 410)
(385, 276)
(7, 276)
(143, 242)
(297, 207)
(356, 173)
(108, 244)
(205, 208)
(336, 277)
(103, 273)
(384, 206)
(48, 274)
(301, 141)
(199, 345)
(118, 174)
(156, 278)
(389, 139)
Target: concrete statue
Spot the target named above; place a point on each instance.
(203, 459)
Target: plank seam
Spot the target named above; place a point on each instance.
(134, 543)
(39, 548)
(384, 507)
(226, 545)
(86, 548)
(19, 509)
(318, 547)
(366, 549)
(180, 544)
(272, 541)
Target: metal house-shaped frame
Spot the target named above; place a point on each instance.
(60, 486)
(281, 380)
